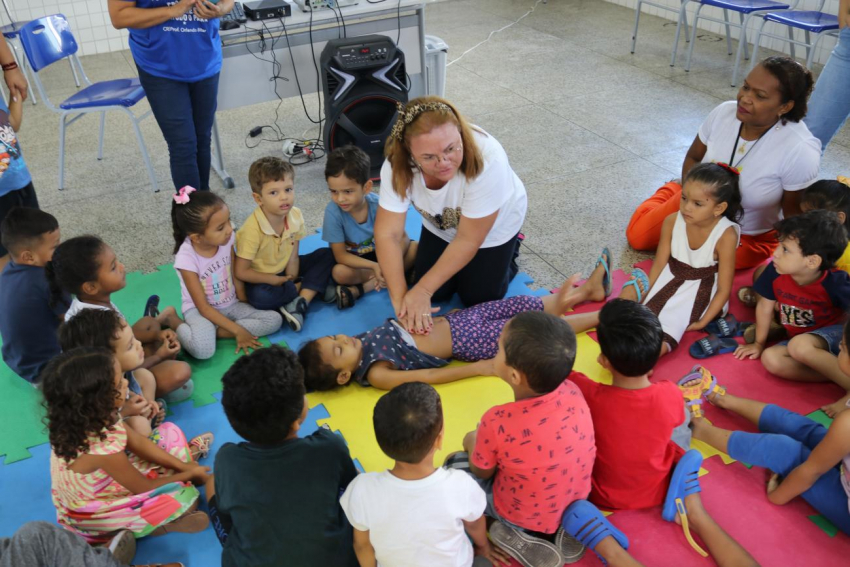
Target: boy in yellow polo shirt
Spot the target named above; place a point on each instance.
(267, 258)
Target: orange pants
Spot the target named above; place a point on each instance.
(644, 229)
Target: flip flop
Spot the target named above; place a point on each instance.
(727, 326)
(694, 393)
(152, 307)
(345, 298)
(605, 260)
(202, 444)
(712, 345)
(685, 481)
(775, 332)
(585, 522)
(157, 421)
(638, 275)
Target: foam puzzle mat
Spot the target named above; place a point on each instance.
(790, 535)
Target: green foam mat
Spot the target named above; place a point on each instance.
(20, 404)
(821, 418)
(824, 524)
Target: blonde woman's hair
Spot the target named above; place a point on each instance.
(420, 116)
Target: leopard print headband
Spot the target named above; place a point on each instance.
(406, 115)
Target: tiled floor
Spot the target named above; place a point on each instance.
(590, 128)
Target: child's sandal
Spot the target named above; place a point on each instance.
(748, 296)
(199, 446)
(344, 296)
(694, 393)
(638, 279)
(685, 481)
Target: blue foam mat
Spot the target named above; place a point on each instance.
(25, 485)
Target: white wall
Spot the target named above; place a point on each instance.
(89, 21)
(824, 49)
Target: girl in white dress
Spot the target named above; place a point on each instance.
(691, 277)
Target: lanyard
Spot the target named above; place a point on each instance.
(735, 147)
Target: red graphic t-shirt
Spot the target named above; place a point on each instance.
(543, 449)
(634, 453)
(822, 303)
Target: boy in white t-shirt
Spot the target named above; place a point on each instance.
(416, 514)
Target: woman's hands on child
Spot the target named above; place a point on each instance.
(415, 313)
(751, 352)
(245, 340)
(493, 553)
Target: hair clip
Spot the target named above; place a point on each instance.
(182, 196)
(844, 180)
(729, 168)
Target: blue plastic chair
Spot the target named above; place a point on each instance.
(810, 21)
(49, 39)
(746, 10)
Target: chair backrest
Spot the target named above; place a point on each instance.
(47, 40)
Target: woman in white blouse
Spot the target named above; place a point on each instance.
(760, 134)
(472, 205)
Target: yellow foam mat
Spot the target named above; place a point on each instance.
(464, 402)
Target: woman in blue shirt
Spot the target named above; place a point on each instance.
(177, 51)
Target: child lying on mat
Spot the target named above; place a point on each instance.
(637, 458)
(808, 459)
(388, 355)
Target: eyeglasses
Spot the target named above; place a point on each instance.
(447, 155)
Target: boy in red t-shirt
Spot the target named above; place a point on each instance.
(635, 456)
(811, 298)
(634, 421)
(534, 456)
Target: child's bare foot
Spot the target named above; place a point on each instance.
(168, 318)
(593, 289)
(569, 295)
(629, 292)
(694, 508)
(835, 408)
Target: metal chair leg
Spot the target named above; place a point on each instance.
(740, 49)
(756, 43)
(808, 45)
(728, 32)
(743, 36)
(144, 149)
(793, 49)
(62, 126)
(102, 128)
(74, 72)
(637, 21)
(693, 37)
(683, 19)
(814, 49)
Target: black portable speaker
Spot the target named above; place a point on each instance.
(363, 80)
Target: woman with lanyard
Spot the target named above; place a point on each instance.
(761, 135)
(472, 205)
(177, 51)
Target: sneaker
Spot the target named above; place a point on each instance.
(529, 551)
(293, 312)
(123, 547)
(571, 549)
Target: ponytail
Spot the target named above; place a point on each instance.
(191, 212)
(74, 263)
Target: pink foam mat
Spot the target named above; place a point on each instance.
(747, 378)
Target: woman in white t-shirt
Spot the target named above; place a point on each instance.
(760, 134)
(472, 205)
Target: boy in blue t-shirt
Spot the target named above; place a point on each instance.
(16, 188)
(349, 226)
(28, 322)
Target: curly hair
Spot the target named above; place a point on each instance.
(268, 169)
(75, 262)
(263, 394)
(319, 376)
(193, 217)
(830, 195)
(398, 152)
(795, 84)
(76, 380)
(91, 328)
